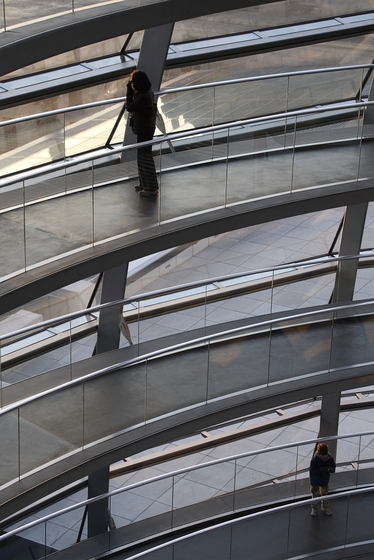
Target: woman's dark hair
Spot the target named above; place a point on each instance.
(140, 80)
(322, 449)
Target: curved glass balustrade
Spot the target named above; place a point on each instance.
(15, 15)
(92, 199)
(51, 352)
(39, 139)
(208, 491)
(303, 348)
(284, 532)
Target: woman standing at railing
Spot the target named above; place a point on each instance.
(321, 466)
(140, 103)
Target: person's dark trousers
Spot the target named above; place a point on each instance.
(146, 165)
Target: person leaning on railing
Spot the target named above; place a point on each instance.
(141, 105)
(321, 466)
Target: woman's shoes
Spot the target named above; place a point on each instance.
(144, 192)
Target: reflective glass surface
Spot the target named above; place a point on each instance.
(219, 488)
(286, 12)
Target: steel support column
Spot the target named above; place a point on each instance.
(108, 336)
(152, 58)
(353, 228)
(329, 421)
(98, 512)
(113, 288)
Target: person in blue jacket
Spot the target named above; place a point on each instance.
(141, 105)
(321, 466)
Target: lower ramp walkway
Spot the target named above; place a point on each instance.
(64, 434)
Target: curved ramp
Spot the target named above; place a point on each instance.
(71, 237)
(65, 434)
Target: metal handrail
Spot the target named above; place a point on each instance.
(262, 513)
(182, 471)
(166, 91)
(43, 325)
(102, 153)
(183, 346)
(267, 77)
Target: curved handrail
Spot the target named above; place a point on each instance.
(172, 91)
(194, 87)
(113, 434)
(267, 77)
(201, 341)
(180, 288)
(258, 514)
(103, 153)
(182, 471)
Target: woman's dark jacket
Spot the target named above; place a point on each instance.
(142, 107)
(320, 469)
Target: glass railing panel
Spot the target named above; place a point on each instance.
(50, 427)
(365, 166)
(264, 539)
(245, 100)
(78, 351)
(186, 151)
(263, 153)
(144, 510)
(257, 474)
(351, 342)
(122, 400)
(12, 197)
(88, 129)
(187, 110)
(62, 532)
(15, 13)
(328, 126)
(304, 453)
(71, 228)
(174, 385)
(308, 90)
(25, 371)
(276, 534)
(42, 373)
(188, 319)
(204, 493)
(118, 209)
(79, 177)
(323, 165)
(240, 307)
(194, 189)
(365, 460)
(35, 141)
(238, 365)
(298, 350)
(9, 443)
(364, 285)
(30, 541)
(326, 537)
(13, 255)
(45, 186)
(304, 293)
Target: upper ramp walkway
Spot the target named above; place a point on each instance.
(84, 214)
